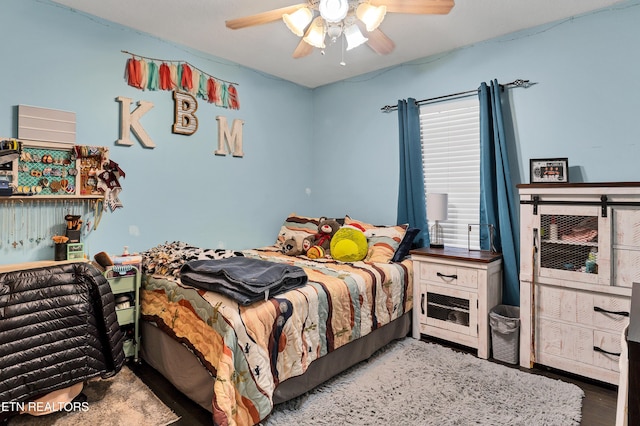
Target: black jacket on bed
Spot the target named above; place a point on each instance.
(58, 327)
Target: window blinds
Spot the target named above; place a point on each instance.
(450, 133)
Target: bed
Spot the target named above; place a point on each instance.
(237, 360)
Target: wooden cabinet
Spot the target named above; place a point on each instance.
(580, 252)
(125, 282)
(453, 291)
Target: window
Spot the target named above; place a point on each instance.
(450, 133)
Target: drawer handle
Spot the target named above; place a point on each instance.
(599, 309)
(597, 349)
(453, 277)
(422, 303)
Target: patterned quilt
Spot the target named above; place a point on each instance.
(250, 349)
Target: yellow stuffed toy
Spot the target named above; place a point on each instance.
(315, 252)
(349, 244)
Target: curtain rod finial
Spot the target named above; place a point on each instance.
(521, 83)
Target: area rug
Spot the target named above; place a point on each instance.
(119, 400)
(411, 382)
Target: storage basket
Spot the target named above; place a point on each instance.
(505, 332)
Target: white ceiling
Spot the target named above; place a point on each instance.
(200, 24)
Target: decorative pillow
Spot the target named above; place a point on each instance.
(405, 244)
(297, 228)
(383, 241)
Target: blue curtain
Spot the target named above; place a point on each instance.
(498, 205)
(411, 198)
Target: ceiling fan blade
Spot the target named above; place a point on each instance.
(262, 18)
(303, 49)
(380, 43)
(435, 7)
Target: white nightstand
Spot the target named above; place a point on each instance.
(453, 291)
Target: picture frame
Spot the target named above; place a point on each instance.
(549, 170)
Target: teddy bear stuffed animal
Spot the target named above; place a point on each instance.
(326, 229)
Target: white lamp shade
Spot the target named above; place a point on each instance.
(298, 20)
(334, 10)
(354, 37)
(437, 206)
(315, 36)
(371, 16)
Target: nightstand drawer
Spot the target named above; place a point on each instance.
(126, 316)
(123, 284)
(451, 309)
(448, 274)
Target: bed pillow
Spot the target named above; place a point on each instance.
(383, 241)
(297, 227)
(405, 245)
(300, 227)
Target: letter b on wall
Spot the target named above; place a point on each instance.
(185, 121)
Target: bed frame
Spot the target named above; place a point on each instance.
(181, 367)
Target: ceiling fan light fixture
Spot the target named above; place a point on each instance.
(315, 35)
(298, 20)
(334, 31)
(354, 37)
(371, 16)
(333, 10)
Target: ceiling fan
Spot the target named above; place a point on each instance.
(317, 19)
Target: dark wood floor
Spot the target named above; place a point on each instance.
(598, 405)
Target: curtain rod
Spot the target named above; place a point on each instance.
(515, 83)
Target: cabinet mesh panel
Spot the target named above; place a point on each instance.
(448, 308)
(567, 241)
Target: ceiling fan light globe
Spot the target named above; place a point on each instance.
(371, 16)
(315, 35)
(298, 20)
(333, 10)
(334, 31)
(354, 37)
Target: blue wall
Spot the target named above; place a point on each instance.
(58, 58)
(585, 106)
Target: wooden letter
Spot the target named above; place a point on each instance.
(185, 122)
(129, 120)
(233, 140)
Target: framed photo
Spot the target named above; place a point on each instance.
(549, 170)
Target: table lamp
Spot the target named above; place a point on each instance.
(437, 211)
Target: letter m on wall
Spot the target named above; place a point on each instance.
(231, 140)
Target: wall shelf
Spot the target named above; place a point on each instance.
(51, 197)
(54, 170)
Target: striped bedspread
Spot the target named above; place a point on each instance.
(250, 349)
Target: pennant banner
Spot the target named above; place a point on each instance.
(145, 74)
